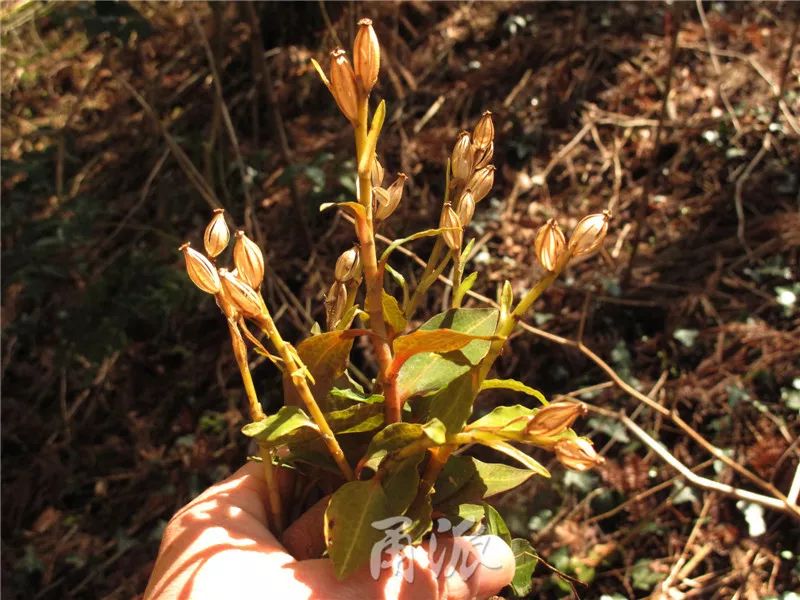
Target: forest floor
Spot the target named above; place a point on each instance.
(121, 399)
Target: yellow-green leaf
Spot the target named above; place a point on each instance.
(325, 355)
(467, 479)
(507, 418)
(525, 559)
(276, 429)
(349, 534)
(393, 314)
(368, 152)
(429, 371)
(518, 455)
(439, 341)
(513, 384)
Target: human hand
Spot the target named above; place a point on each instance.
(218, 546)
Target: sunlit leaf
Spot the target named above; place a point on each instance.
(513, 384)
(467, 479)
(518, 455)
(495, 524)
(325, 355)
(276, 429)
(427, 372)
(349, 534)
(508, 418)
(440, 341)
(357, 418)
(453, 404)
(398, 435)
(393, 314)
(525, 559)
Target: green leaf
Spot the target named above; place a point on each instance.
(421, 519)
(414, 236)
(517, 455)
(428, 372)
(525, 559)
(356, 419)
(349, 534)
(401, 484)
(352, 395)
(507, 418)
(393, 314)
(399, 435)
(465, 286)
(467, 512)
(368, 152)
(325, 355)
(453, 404)
(513, 384)
(440, 341)
(495, 524)
(467, 479)
(275, 429)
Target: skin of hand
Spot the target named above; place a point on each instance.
(219, 546)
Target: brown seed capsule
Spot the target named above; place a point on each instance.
(243, 297)
(589, 233)
(452, 237)
(335, 301)
(483, 134)
(483, 156)
(577, 454)
(249, 260)
(347, 265)
(217, 235)
(461, 158)
(366, 55)
(226, 306)
(466, 208)
(481, 183)
(554, 418)
(381, 204)
(343, 84)
(549, 245)
(202, 273)
(376, 172)
(394, 193)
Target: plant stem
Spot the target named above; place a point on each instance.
(240, 353)
(256, 414)
(458, 273)
(373, 276)
(301, 385)
(506, 327)
(273, 490)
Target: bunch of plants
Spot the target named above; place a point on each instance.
(396, 445)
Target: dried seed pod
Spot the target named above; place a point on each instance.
(549, 245)
(466, 208)
(482, 157)
(450, 220)
(376, 172)
(461, 158)
(343, 84)
(554, 418)
(381, 203)
(483, 134)
(589, 233)
(243, 297)
(481, 182)
(226, 306)
(249, 260)
(577, 454)
(217, 235)
(394, 193)
(202, 273)
(335, 302)
(347, 265)
(366, 55)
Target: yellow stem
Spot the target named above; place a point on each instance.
(373, 275)
(273, 490)
(298, 379)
